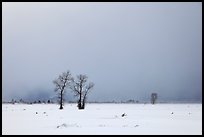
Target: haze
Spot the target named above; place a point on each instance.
(129, 50)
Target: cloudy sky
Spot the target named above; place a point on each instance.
(129, 50)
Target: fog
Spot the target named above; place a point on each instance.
(129, 50)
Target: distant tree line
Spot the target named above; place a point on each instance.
(13, 101)
(49, 101)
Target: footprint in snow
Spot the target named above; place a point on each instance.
(101, 125)
(124, 115)
(63, 125)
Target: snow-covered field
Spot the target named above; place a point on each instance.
(102, 119)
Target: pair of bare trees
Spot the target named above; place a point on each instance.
(79, 86)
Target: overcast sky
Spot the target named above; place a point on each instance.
(129, 50)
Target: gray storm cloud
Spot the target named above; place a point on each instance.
(129, 50)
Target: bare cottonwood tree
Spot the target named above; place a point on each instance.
(153, 98)
(81, 89)
(61, 83)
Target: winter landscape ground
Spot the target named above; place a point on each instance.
(181, 119)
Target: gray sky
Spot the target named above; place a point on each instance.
(128, 50)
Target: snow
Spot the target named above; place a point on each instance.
(138, 119)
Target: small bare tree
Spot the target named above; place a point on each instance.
(153, 98)
(61, 83)
(81, 89)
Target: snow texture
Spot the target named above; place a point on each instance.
(106, 119)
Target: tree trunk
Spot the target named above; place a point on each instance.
(79, 102)
(80, 98)
(61, 107)
(83, 105)
(83, 102)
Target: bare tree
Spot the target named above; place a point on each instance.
(81, 89)
(153, 98)
(61, 83)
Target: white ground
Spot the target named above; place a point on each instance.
(102, 119)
